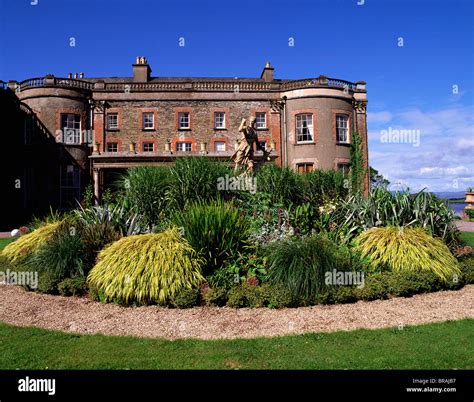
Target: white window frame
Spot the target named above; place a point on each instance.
(304, 129)
(71, 131)
(220, 143)
(219, 120)
(147, 143)
(110, 125)
(259, 121)
(344, 167)
(112, 144)
(185, 145)
(146, 124)
(184, 120)
(342, 129)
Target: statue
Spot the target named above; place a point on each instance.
(243, 156)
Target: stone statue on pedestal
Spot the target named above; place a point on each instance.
(244, 155)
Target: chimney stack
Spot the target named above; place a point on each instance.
(81, 75)
(267, 73)
(141, 70)
(75, 76)
(69, 75)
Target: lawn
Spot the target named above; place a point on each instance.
(468, 238)
(5, 240)
(446, 345)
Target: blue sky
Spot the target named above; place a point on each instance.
(425, 86)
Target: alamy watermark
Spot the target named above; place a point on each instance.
(26, 278)
(237, 183)
(345, 278)
(395, 136)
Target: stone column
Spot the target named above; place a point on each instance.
(96, 180)
(360, 108)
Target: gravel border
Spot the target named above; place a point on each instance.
(81, 315)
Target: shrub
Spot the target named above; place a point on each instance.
(72, 286)
(217, 231)
(320, 186)
(408, 249)
(467, 269)
(94, 238)
(375, 288)
(146, 189)
(194, 179)
(118, 216)
(185, 298)
(62, 255)
(224, 278)
(216, 297)
(26, 245)
(282, 184)
(149, 268)
(47, 283)
(266, 295)
(300, 264)
(384, 208)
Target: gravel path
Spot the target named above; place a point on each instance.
(81, 315)
(465, 226)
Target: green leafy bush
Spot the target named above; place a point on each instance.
(266, 295)
(72, 286)
(146, 189)
(148, 268)
(194, 179)
(407, 249)
(385, 208)
(216, 296)
(61, 256)
(94, 238)
(322, 186)
(216, 230)
(467, 269)
(185, 298)
(48, 283)
(282, 184)
(300, 264)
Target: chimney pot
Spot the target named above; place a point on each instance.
(69, 75)
(75, 75)
(81, 75)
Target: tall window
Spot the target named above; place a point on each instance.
(71, 128)
(112, 121)
(219, 146)
(344, 168)
(304, 127)
(304, 167)
(183, 118)
(112, 147)
(148, 121)
(261, 120)
(342, 128)
(183, 147)
(219, 120)
(70, 185)
(148, 147)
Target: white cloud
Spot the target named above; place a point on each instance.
(379, 117)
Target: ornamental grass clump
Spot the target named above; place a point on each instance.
(28, 244)
(148, 268)
(407, 249)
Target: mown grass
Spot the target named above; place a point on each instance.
(5, 240)
(447, 345)
(468, 238)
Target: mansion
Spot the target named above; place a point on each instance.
(65, 133)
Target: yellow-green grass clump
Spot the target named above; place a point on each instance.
(147, 268)
(29, 243)
(407, 249)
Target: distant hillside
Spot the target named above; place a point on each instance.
(450, 194)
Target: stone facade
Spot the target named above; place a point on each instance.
(110, 114)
